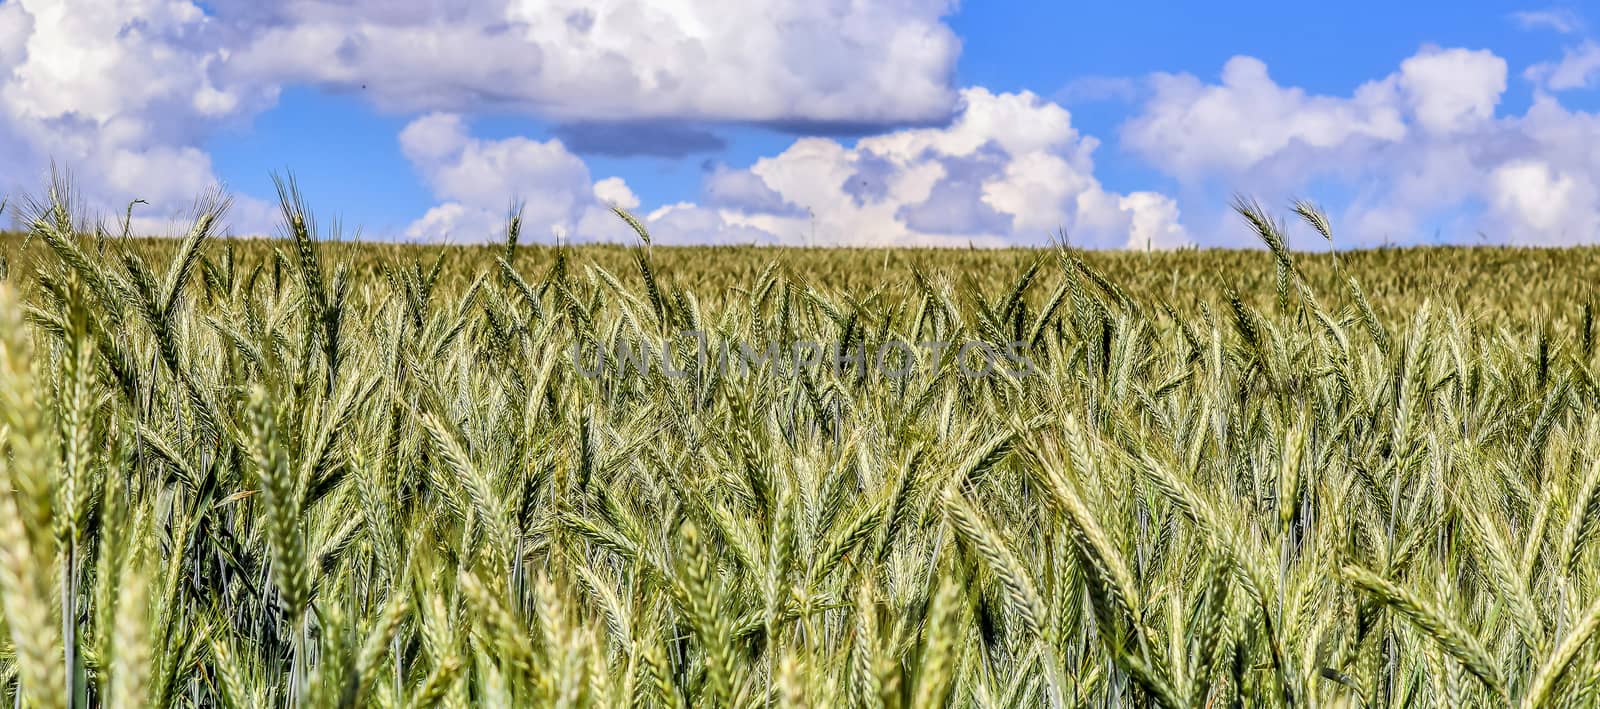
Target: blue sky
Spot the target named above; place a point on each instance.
(779, 121)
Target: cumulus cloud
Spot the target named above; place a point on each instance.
(1533, 193)
(1010, 169)
(1423, 146)
(1193, 129)
(120, 92)
(1452, 90)
(614, 191)
(127, 92)
(756, 61)
(475, 181)
(459, 167)
(688, 223)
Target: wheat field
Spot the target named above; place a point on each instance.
(304, 472)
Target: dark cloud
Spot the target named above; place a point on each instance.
(351, 49)
(662, 139)
(851, 129)
(581, 21)
(747, 192)
(955, 205)
(870, 182)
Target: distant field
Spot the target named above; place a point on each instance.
(1508, 285)
(259, 473)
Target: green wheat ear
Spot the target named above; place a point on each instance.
(633, 223)
(355, 475)
(131, 646)
(27, 491)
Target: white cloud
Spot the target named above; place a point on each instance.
(687, 223)
(1419, 149)
(1194, 129)
(1155, 221)
(1552, 190)
(1452, 90)
(1579, 68)
(458, 167)
(757, 60)
(120, 93)
(125, 93)
(1010, 169)
(1559, 20)
(440, 224)
(613, 190)
(1532, 193)
(15, 27)
(476, 181)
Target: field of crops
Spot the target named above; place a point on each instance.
(306, 472)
